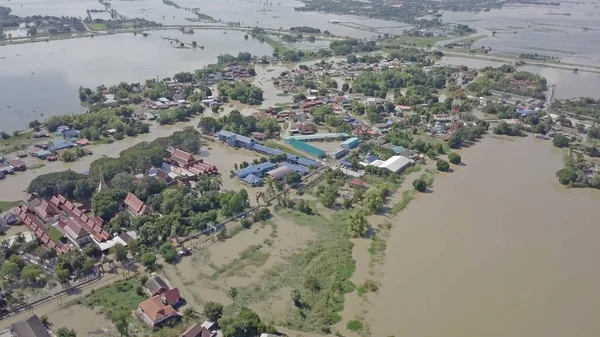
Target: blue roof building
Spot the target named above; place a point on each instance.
(398, 149)
(256, 170)
(371, 158)
(307, 162)
(345, 163)
(266, 150)
(338, 153)
(60, 144)
(71, 133)
(298, 168)
(252, 180)
(235, 140)
(350, 143)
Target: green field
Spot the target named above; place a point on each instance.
(118, 298)
(6, 205)
(54, 234)
(97, 26)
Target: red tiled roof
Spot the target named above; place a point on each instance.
(135, 204)
(181, 157)
(155, 309)
(171, 296)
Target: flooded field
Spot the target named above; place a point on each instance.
(568, 84)
(54, 71)
(239, 261)
(498, 249)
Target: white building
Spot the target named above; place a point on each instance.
(396, 164)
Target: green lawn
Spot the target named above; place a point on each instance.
(36, 166)
(97, 26)
(6, 205)
(282, 147)
(120, 297)
(54, 234)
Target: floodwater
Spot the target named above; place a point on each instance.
(498, 249)
(539, 30)
(44, 77)
(568, 84)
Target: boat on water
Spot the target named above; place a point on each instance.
(541, 136)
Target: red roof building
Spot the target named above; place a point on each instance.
(187, 161)
(172, 297)
(135, 206)
(154, 311)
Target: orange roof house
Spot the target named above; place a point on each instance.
(135, 206)
(155, 311)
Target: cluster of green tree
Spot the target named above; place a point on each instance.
(504, 128)
(578, 173)
(350, 46)
(584, 106)
(240, 124)
(368, 58)
(75, 263)
(70, 184)
(72, 155)
(245, 92)
(186, 211)
(306, 29)
(463, 30)
(137, 159)
(503, 111)
(15, 269)
(244, 323)
(442, 165)
(379, 83)
(179, 114)
(357, 224)
(95, 124)
(325, 115)
(536, 56)
(242, 57)
(466, 135)
(506, 78)
(560, 141)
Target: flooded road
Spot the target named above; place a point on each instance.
(498, 249)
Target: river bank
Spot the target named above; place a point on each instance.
(506, 251)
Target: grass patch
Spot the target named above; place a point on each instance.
(407, 196)
(103, 141)
(251, 256)
(36, 166)
(120, 297)
(6, 205)
(54, 234)
(379, 243)
(97, 26)
(321, 273)
(354, 325)
(282, 147)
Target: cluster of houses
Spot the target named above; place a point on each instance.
(60, 224)
(161, 306)
(182, 168)
(253, 174)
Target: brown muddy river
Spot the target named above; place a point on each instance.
(499, 249)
